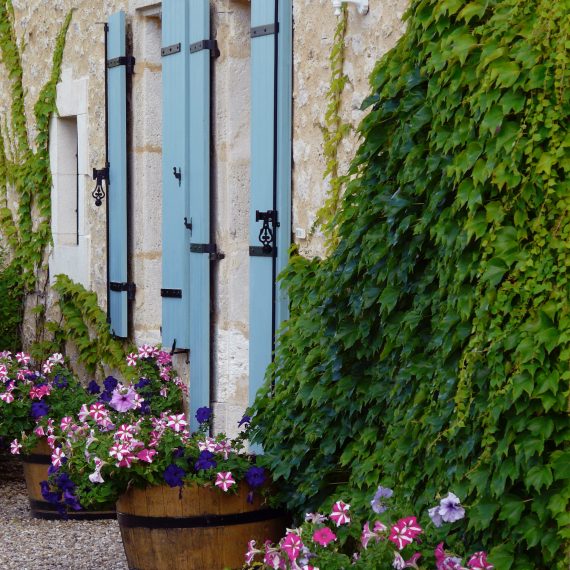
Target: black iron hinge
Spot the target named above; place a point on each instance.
(169, 50)
(265, 30)
(130, 288)
(100, 175)
(266, 235)
(127, 60)
(209, 248)
(212, 45)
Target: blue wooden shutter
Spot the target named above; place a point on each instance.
(270, 178)
(117, 157)
(175, 175)
(201, 251)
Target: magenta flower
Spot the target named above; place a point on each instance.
(176, 422)
(251, 552)
(479, 562)
(340, 514)
(444, 561)
(23, 358)
(324, 536)
(123, 402)
(366, 535)
(57, 457)
(15, 447)
(132, 359)
(404, 532)
(224, 480)
(7, 397)
(292, 545)
(146, 455)
(400, 564)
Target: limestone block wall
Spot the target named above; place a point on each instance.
(368, 37)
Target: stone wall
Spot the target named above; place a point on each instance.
(368, 37)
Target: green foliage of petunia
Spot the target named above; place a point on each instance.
(430, 351)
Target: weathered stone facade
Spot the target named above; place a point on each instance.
(80, 94)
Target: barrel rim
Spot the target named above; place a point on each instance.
(128, 520)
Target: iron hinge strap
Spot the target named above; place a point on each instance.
(265, 30)
(130, 288)
(169, 50)
(212, 45)
(210, 248)
(126, 60)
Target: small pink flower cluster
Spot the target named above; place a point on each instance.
(299, 547)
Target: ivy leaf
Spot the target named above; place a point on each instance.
(539, 476)
(506, 72)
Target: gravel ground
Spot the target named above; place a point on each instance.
(34, 544)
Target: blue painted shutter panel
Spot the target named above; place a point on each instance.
(175, 154)
(270, 176)
(199, 175)
(117, 156)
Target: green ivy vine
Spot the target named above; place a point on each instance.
(334, 130)
(84, 324)
(25, 180)
(430, 351)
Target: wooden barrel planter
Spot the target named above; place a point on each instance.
(36, 466)
(198, 528)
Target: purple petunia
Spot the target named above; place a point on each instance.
(123, 402)
(173, 475)
(93, 387)
(205, 461)
(245, 420)
(203, 414)
(255, 477)
(449, 510)
(39, 409)
(110, 383)
(376, 503)
(142, 383)
(60, 381)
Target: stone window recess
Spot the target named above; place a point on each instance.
(70, 180)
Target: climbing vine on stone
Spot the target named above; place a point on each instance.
(334, 130)
(25, 177)
(431, 350)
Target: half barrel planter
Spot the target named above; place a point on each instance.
(36, 466)
(201, 528)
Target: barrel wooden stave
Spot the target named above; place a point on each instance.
(205, 548)
(35, 471)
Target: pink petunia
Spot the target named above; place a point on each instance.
(66, 423)
(7, 397)
(132, 359)
(176, 422)
(15, 447)
(23, 358)
(292, 545)
(224, 480)
(57, 457)
(146, 455)
(404, 532)
(47, 367)
(479, 561)
(223, 447)
(339, 513)
(251, 552)
(324, 536)
(366, 536)
(3, 371)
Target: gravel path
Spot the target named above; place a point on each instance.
(34, 544)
